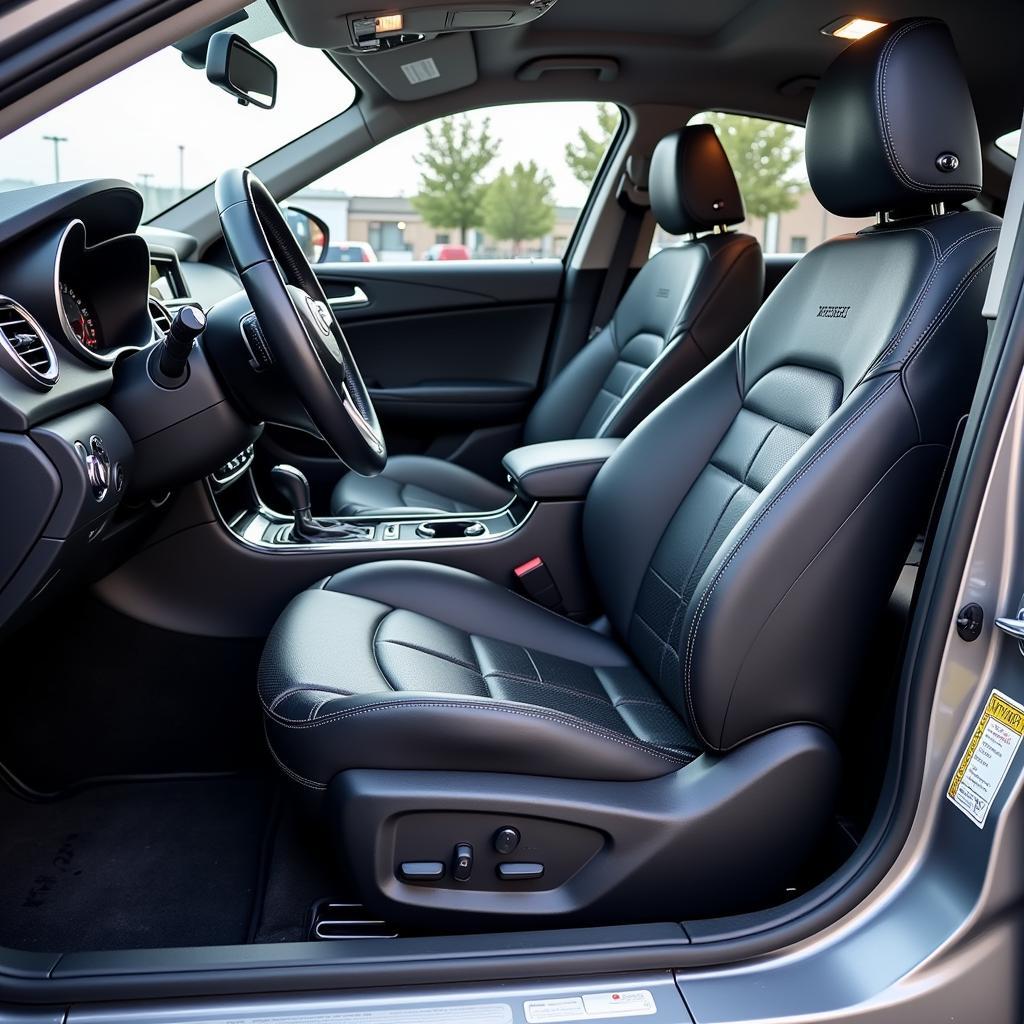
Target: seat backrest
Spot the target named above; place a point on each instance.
(686, 304)
(746, 536)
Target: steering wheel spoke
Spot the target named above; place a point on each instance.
(301, 330)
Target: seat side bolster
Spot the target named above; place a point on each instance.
(793, 554)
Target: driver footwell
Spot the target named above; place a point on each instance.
(133, 865)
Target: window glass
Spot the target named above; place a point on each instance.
(768, 159)
(174, 131)
(506, 182)
(1009, 143)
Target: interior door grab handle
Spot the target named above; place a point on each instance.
(357, 298)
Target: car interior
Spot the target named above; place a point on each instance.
(363, 600)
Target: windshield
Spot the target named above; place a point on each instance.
(162, 126)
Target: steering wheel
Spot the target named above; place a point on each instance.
(305, 339)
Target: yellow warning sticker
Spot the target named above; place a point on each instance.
(987, 759)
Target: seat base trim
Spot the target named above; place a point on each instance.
(678, 845)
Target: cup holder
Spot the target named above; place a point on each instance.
(444, 529)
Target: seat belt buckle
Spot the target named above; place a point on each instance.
(537, 583)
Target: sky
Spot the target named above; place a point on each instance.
(132, 125)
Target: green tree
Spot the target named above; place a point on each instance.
(452, 188)
(585, 155)
(519, 205)
(767, 158)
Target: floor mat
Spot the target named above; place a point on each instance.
(132, 865)
(303, 869)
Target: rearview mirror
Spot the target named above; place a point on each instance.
(240, 69)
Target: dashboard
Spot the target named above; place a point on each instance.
(90, 444)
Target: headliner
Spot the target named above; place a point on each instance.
(727, 54)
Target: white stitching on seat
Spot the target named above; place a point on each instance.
(292, 690)
(556, 718)
(294, 776)
(889, 147)
(923, 338)
(709, 591)
(919, 301)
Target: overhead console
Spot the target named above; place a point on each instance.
(350, 26)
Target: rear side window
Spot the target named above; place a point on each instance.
(507, 182)
(768, 158)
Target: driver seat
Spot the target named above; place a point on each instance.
(480, 757)
(687, 303)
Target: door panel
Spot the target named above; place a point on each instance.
(446, 348)
(452, 354)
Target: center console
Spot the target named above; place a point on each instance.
(554, 471)
(253, 560)
(258, 526)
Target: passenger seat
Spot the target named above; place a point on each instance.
(686, 305)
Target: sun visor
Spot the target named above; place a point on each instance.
(349, 27)
(427, 69)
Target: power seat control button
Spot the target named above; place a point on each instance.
(422, 870)
(519, 872)
(506, 840)
(462, 869)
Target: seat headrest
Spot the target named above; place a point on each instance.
(692, 186)
(892, 126)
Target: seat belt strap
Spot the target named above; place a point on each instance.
(633, 199)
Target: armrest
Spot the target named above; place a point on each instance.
(558, 470)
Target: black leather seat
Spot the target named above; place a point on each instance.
(743, 540)
(684, 307)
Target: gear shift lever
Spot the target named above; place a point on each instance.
(294, 487)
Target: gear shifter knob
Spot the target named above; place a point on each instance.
(294, 487)
(292, 483)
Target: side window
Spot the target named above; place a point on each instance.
(768, 158)
(506, 182)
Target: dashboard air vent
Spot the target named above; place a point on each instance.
(25, 349)
(161, 318)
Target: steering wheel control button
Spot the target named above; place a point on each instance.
(422, 870)
(462, 869)
(260, 358)
(506, 840)
(512, 871)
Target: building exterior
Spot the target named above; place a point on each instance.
(397, 233)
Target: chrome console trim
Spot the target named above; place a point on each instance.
(248, 528)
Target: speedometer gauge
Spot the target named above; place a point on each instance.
(80, 319)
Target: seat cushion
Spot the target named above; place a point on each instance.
(417, 483)
(405, 665)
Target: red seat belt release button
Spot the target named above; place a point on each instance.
(536, 581)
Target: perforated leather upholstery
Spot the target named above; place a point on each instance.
(412, 665)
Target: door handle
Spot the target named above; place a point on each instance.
(357, 298)
(1012, 627)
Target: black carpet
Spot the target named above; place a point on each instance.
(132, 865)
(303, 869)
